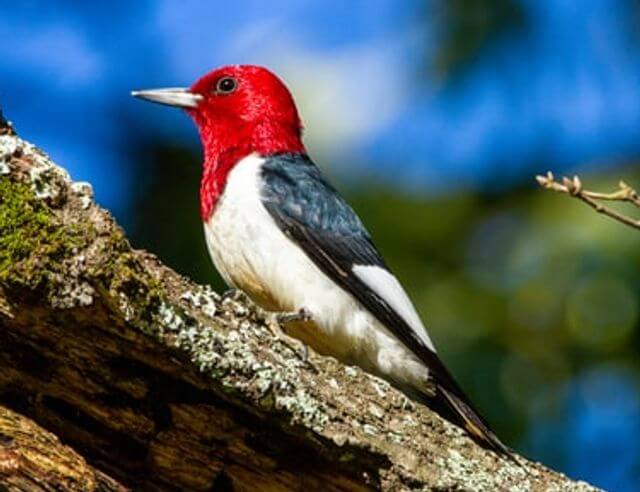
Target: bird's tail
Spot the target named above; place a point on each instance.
(464, 415)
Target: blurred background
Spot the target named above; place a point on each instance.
(433, 118)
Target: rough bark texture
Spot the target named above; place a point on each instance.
(163, 385)
(33, 459)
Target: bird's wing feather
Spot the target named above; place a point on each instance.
(312, 213)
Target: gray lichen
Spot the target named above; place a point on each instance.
(8, 146)
(47, 179)
(233, 357)
(53, 235)
(204, 299)
(84, 191)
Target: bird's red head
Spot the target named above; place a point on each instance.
(248, 107)
(239, 110)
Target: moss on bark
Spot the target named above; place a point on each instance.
(167, 386)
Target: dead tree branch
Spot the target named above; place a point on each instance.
(33, 459)
(163, 385)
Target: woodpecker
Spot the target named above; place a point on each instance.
(280, 232)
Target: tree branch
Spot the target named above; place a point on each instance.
(164, 385)
(29, 454)
(573, 187)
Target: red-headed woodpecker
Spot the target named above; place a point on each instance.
(277, 230)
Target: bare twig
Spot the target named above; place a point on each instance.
(573, 187)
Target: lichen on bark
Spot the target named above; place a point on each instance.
(165, 385)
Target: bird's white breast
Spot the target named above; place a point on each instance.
(253, 254)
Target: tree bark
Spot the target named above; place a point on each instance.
(33, 459)
(164, 385)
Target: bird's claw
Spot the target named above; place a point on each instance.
(235, 295)
(274, 320)
(300, 315)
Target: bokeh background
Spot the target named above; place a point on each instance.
(433, 118)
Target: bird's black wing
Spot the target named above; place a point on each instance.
(312, 213)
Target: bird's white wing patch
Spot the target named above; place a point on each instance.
(383, 283)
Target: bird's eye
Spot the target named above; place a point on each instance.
(226, 85)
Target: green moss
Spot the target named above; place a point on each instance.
(34, 242)
(130, 278)
(29, 232)
(24, 223)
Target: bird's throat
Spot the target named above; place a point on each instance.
(224, 150)
(214, 178)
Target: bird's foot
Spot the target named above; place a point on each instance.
(301, 315)
(236, 295)
(275, 319)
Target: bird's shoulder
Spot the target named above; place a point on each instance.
(294, 185)
(308, 209)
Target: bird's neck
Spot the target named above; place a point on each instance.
(224, 149)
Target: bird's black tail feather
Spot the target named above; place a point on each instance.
(462, 414)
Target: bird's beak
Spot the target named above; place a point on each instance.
(176, 96)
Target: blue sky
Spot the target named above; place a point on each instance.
(562, 93)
